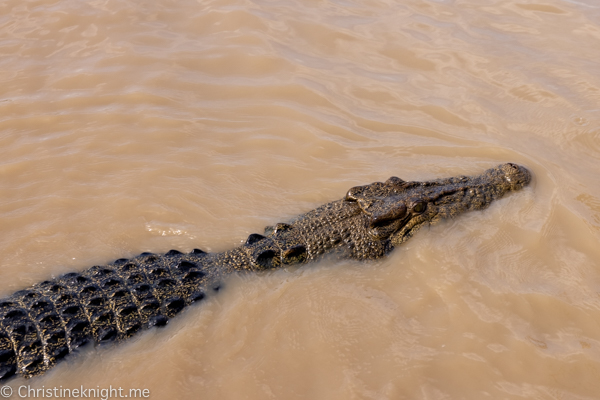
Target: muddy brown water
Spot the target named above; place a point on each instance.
(145, 126)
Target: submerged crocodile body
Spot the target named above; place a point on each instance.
(42, 324)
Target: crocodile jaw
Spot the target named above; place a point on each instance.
(448, 198)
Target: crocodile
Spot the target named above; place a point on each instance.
(42, 324)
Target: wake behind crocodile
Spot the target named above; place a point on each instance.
(42, 324)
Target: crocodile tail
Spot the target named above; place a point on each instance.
(44, 323)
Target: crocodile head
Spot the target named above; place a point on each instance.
(397, 209)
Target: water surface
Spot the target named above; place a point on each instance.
(129, 127)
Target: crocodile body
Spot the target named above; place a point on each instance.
(42, 324)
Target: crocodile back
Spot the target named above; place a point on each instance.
(42, 324)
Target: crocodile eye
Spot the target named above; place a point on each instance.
(418, 208)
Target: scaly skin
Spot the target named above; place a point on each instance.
(42, 324)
